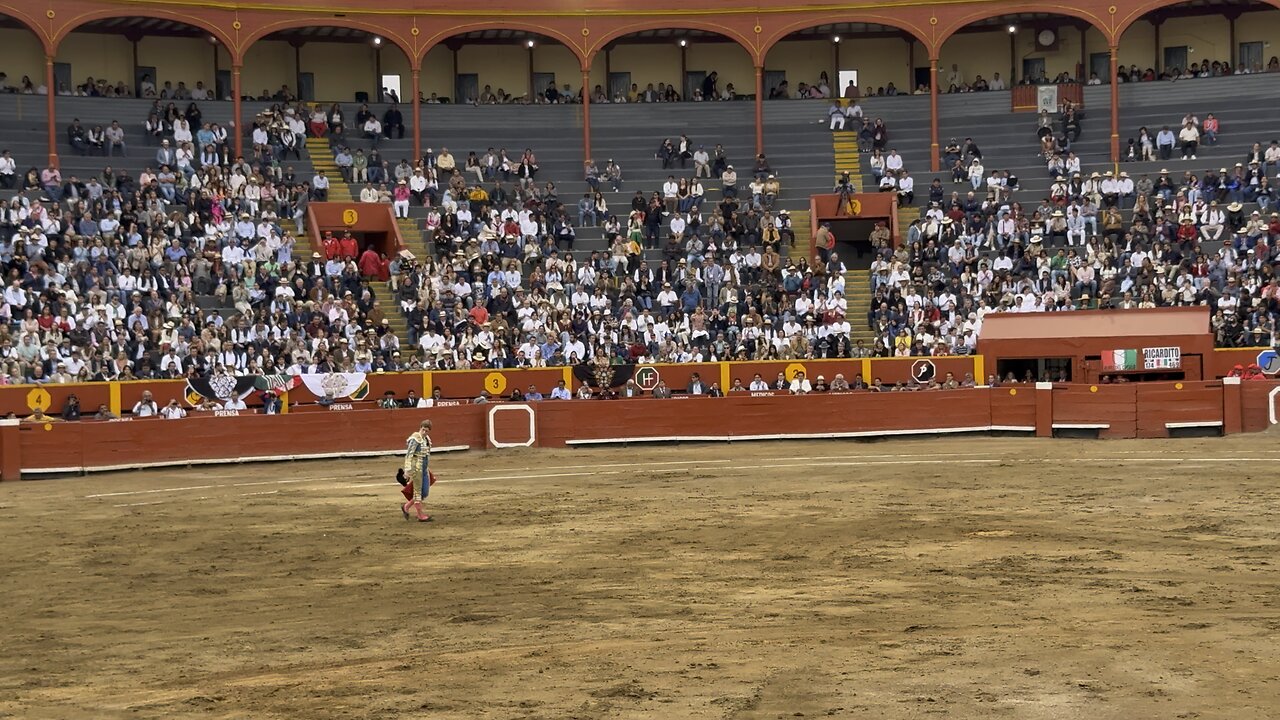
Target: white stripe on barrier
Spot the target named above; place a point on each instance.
(803, 436)
(232, 461)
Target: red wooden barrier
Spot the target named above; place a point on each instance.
(1116, 411)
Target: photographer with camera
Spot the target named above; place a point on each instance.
(844, 189)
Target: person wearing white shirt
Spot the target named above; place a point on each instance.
(1124, 187)
(758, 384)
(181, 131)
(836, 113)
(996, 83)
(234, 403)
(1212, 221)
(373, 130)
(8, 171)
(667, 300)
(800, 385)
(976, 173)
(670, 193)
(892, 162)
(173, 411)
(906, 189)
(146, 407)
(678, 226)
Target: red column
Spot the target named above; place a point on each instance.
(586, 115)
(759, 109)
(235, 109)
(1115, 106)
(417, 117)
(49, 100)
(933, 115)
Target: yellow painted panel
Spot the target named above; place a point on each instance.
(21, 54)
(503, 67)
(437, 72)
(648, 63)
(728, 60)
(267, 65)
(341, 69)
(98, 56)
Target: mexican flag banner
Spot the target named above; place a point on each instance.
(276, 383)
(1120, 360)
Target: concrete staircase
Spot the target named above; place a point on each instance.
(800, 225)
(906, 216)
(322, 159)
(390, 310)
(844, 146)
(414, 237)
(857, 288)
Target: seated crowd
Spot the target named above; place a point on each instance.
(1096, 240)
(104, 273)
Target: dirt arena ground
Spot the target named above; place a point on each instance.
(955, 578)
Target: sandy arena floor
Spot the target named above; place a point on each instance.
(954, 578)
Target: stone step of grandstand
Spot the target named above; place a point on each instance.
(844, 147)
(799, 225)
(322, 159)
(857, 287)
(302, 247)
(414, 237)
(906, 215)
(389, 308)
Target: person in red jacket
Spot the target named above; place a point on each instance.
(1187, 232)
(331, 246)
(370, 263)
(350, 250)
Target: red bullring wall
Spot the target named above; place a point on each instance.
(1126, 411)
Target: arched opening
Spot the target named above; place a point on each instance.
(988, 72)
(1232, 37)
(996, 53)
(1219, 53)
(24, 57)
(844, 59)
(822, 63)
(672, 65)
(22, 81)
(327, 64)
(135, 62)
(500, 66)
(669, 83)
(143, 58)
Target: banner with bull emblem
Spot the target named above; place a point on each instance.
(337, 385)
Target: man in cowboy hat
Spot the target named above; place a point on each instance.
(1212, 222)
